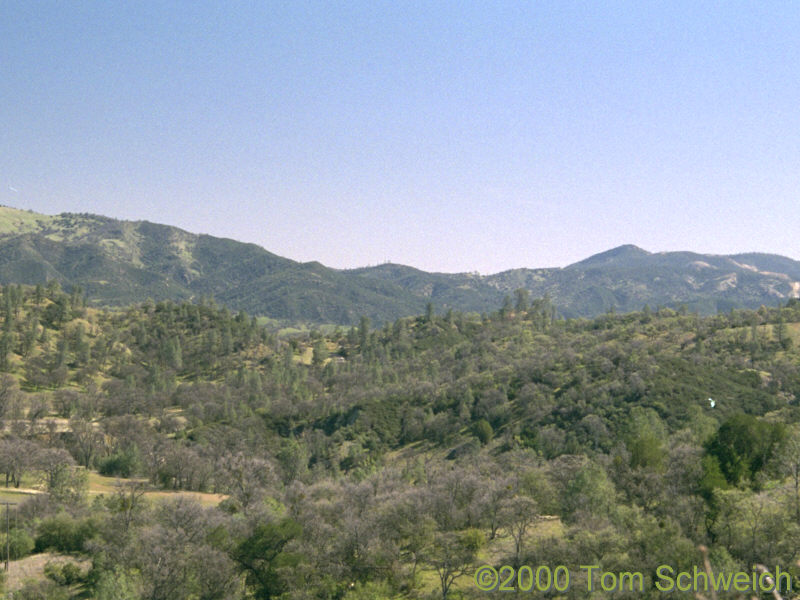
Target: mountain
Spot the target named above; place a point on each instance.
(119, 262)
(623, 279)
(465, 291)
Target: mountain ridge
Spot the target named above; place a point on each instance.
(118, 262)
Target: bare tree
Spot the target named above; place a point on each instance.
(85, 441)
(175, 558)
(9, 390)
(16, 457)
(452, 555)
(129, 501)
(496, 494)
(65, 402)
(518, 514)
(247, 478)
(65, 481)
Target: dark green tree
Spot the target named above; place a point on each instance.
(523, 300)
(744, 445)
(261, 556)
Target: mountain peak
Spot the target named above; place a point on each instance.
(620, 254)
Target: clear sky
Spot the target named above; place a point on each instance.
(450, 136)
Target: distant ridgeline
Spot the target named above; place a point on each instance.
(121, 262)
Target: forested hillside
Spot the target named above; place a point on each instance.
(122, 262)
(622, 279)
(182, 451)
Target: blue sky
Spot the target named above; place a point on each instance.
(449, 136)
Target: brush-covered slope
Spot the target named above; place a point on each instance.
(623, 279)
(118, 262)
(627, 278)
(369, 459)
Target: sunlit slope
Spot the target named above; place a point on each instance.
(622, 279)
(118, 262)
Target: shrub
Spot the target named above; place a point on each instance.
(63, 533)
(20, 543)
(117, 585)
(71, 573)
(36, 590)
(63, 574)
(483, 431)
(120, 464)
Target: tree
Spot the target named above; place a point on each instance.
(753, 526)
(85, 441)
(164, 560)
(452, 555)
(247, 477)
(363, 332)
(320, 353)
(64, 481)
(429, 312)
(293, 459)
(505, 311)
(16, 457)
(128, 501)
(523, 300)
(781, 336)
(518, 514)
(789, 464)
(497, 492)
(6, 348)
(9, 391)
(744, 445)
(119, 584)
(261, 556)
(483, 431)
(173, 354)
(175, 556)
(407, 526)
(587, 492)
